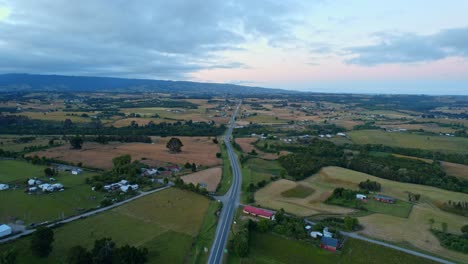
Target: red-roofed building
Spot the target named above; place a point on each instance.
(259, 212)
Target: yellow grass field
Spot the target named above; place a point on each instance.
(211, 177)
(198, 150)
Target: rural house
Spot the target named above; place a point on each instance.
(5, 230)
(384, 199)
(4, 186)
(254, 211)
(361, 197)
(329, 243)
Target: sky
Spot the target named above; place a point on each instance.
(360, 46)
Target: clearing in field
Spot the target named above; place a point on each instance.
(300, 191)
(247, 145)
(208, 179)
(165, 222)
(35, 208)
(198, 150)
(408, 140)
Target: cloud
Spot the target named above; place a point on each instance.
(157, 39)
(412, 48)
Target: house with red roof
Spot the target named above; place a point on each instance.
(259, 212)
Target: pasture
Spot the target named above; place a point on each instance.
(36, 208)
(10, 143)
(165, 222)
(198, 150)
(408, 140)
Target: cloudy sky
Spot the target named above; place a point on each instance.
(375, 46)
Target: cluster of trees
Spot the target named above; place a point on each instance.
(105, 251)
(123, 169)
(334, 223)
(285, 225)
(369, 185)
(346, 197)
(316, 129)
(453, 241)
(17, 124)
(460, 207)
(179, 183)
(413, 197)
(240, 240)
(308, 160)
(407, 170)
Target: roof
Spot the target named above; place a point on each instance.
(258, 211)
(329, 241)
(383, 197)
(4, 228)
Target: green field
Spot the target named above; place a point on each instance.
(270, 248)
(7, 142)
(165, 222)
(226, 178)
(300, 191)
(408, 140)
(76, 198)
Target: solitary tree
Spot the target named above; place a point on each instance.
(174, 145)
(41, 241)
(76, 142)
(431, 222)
(103, 251)
(464, 230)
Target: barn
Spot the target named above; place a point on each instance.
(384, 199)
(329, 243)
(259, 212)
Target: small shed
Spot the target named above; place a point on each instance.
(5, 230)
(361, 196)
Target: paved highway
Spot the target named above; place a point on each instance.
(230, 200)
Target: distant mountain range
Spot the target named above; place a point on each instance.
(61, 83)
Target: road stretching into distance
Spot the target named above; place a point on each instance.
(230, 200)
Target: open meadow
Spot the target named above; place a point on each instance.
(166, 222)
(35, 208)
(408, 140)
(198, 150)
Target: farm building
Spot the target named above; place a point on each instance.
(361, 197)
(259, 212)
(384, 199)
(329, 243)
(5, 230)
(4, 186)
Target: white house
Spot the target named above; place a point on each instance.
(315, 234)
(361, 196)
(4, 186)
(31, 182)
(341, 134)
(5, 230)
(76, 171)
